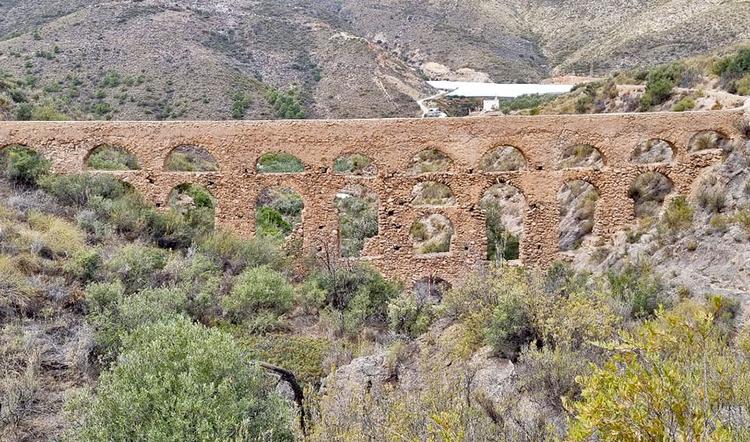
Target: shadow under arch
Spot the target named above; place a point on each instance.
(648, 191)
(504, 207)
(654, 151)
(577, 201)
(503, 158)
(431, 160)
(581, 155)
(357, 211)
(110, 157)
(190, 158)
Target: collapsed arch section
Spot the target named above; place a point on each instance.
(279, 162)
(429, 161)
(355, 164)
(648, 192)
(655, 150)
(504, 208)
(708, 140)
(432, 234)
(577, 202)
(278, 212)
(191, 158)
(195, 204)
(111, 157)
(580, 156)
(502, 159)
(357, 208)
(432, 193)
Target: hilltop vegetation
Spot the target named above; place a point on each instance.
(323, 58)
(109, 303)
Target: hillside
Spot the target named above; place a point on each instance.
(159, 59)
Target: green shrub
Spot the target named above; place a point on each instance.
(234, 254)
(136, 265)
(256, 289)
(181, 381)
(302, 355)
(269, 223)
(549, 375)
(113, 314)
(286, 105)
(107, 157)
(191, 159)
(354, 164)
(659, 84)
(362, 282)
(80, 190)
(279, 163)
(685, 104)
(23, 165)
(407, 316)
(743, 85)
(639, 289)
(510, 328)
(678, 215)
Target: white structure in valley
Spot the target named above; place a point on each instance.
(493, 92)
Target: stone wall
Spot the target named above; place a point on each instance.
(391, 144)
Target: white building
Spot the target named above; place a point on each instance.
(493, 92)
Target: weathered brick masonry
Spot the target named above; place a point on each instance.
(391, 144)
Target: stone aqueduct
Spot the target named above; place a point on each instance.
(391, 144)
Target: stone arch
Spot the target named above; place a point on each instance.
(577, 201)
(431, 160)
(278, 212)
(580, 155)
(648, 192)
(110, 157)
(432, 234)
(504, 158)
(195, 203)
(190, 158)
(504, 208)
(432, 193)
(357, 209)
(279, 162)
(652, 151)
(355, 164)
(708, 140)
(430, 289)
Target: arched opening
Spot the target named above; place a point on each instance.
(190, 158)
(504, 208)
(432, 193)
(432, 234)
(357, 208)
(111, 157)
(577, 201)
(502, 159)
(708, 140)
(279, 162)
(430, 290)
(652, 151)
(278, 212)
(354, 164)
(195, 205)
(21, 164)
(648, 192)
(580, 155)
(429, 161)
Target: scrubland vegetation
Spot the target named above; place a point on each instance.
(122, 322)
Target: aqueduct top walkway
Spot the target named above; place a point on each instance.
(391, 144)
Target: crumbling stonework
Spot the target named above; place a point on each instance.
(391, 144)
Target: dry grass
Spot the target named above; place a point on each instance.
(432, 193)
(503, 159)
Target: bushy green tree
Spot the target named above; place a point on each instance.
(23, 165)
(258, 289)
(178, 381)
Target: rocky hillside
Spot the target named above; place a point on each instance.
(199, 59)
